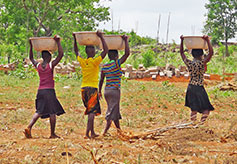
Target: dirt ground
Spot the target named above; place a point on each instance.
(145, 105)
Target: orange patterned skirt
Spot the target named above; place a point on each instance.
(91, 101)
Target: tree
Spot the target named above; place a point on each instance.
(221, 20)
(21, 19)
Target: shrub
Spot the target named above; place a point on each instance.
(148, 58)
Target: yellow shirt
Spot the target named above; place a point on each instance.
(90, 71)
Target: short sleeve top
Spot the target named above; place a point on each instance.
(90, 71)
(196, 70)
(113, 73)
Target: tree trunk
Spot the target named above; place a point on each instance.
(9, 59)
(226, 49)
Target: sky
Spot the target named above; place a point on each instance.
(187, 17)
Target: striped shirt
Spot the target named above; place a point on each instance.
(113, 73)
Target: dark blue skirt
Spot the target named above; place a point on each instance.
(47, 103)
(197, 99)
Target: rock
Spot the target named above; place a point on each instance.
(129, 67)
(140, 66)
(27, 61)
(206, 76)
(6, 66)
(162, 74)
(153, 77)
(170, 67)
(177, 72)
(169, 74)
(153, 69)
(60, 65)
(75, 63)
(124, 70)
(147, 74)
(183, 68)
(182, 73)
(133, 75)
(154, 73)
(140, 74)
(186, 76)
(126, 75)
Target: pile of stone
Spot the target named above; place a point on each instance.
(67, 68)
(231, 85)
(168, 71)
(8, 67)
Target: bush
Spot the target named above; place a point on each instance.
(148, 58)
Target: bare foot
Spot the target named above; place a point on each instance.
(94, 136)
(87, 137)
(27, 133)
(54, 136)
(106, 134)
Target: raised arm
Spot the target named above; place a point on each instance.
(208, 57)
(75, 46)
(31, 55)
(182, 48)
(105, 47)
(60, 51)
(127, 50)
(102, 77)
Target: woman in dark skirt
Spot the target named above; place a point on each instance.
(196, 96)
(47, 104)
(112, 72)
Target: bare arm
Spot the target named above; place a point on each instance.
(105, 47)
(31, 55)
(209, 56)
(182, 48)
(60, 51)
(75, 46)
(127, 50)
(102, 77)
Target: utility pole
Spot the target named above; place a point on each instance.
(193, 30)
(112, 20)
(168, 24)
(136, 26)
(158, 29)
(119, 25)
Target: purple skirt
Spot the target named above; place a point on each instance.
(112, 97)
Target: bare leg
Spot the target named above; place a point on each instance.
(93, 135)
(52, 126)
(193, 115)
(117, 124)
(27, 131)
(90, 126)
(205, 115)
(107, 126)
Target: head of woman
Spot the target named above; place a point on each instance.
(46, 55)
(113, 54)
(197, 53)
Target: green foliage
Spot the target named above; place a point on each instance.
(23, 19)
(23, 73)
(148, 58)
(221, 20)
